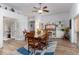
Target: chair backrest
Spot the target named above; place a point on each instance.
(30, 34)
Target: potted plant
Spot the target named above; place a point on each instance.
(38, 31)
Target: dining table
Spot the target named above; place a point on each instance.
(35, 43)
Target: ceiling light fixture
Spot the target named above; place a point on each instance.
(40, 11)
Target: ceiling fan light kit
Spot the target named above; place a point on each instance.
(40, 11)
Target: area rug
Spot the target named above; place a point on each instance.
(24, 51)
(49, 51)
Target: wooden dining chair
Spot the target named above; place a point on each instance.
(33, 42)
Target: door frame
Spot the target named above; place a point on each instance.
(76, 28)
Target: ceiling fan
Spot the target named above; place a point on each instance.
(40, 9)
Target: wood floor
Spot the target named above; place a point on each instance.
(64, 47)
(10, 46)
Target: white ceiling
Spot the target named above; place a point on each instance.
(54, 8)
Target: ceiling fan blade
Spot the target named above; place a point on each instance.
(44, 7)
(35, 8)
(46, 10)
(34, 11)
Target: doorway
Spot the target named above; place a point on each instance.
(9, 28)
(32, 25)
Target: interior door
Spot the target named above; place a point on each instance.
(77, 29)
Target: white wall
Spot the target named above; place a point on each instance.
(22, 20)
(46, 19)
(64, 17)
(1, 29)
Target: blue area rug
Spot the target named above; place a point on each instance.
(49, 53)
(46, 53)
(24, 51)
